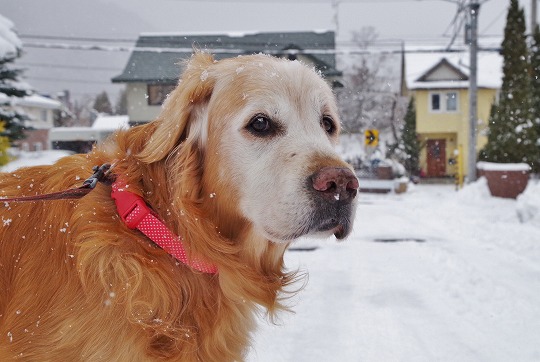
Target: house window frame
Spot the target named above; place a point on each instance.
(44, 115)
(443, 101)
(157, 93)
(431, 95)
(446, 98)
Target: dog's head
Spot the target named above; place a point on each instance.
(257, 135)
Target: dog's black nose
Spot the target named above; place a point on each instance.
(335, 183)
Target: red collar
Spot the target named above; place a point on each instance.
(136, 214)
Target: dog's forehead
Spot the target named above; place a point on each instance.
(270, 80)
(283, 73)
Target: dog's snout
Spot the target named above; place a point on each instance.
(335, 183)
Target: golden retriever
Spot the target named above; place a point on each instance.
(239, 163)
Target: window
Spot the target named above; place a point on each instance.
(435, 102)
(43, 115)
(443, 102)
(157, 93)
(451, 101)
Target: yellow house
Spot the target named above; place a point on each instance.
(439, 83)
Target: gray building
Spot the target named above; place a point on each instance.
(152, 70)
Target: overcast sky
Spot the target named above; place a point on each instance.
(88, 72)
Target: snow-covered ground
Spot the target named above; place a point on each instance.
(462, 285)
(470, 291)
(24, 159)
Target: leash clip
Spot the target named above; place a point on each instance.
(100, 175)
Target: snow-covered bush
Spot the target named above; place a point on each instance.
(528, 204)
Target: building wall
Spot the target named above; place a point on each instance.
(41, 118)
(452, 126)
(138, 108)
(36, 140)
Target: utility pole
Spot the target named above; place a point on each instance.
(335, 8)
(474, 7)
(533, 16)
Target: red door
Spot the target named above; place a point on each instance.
(436, 158)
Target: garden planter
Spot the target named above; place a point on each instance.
(385, 173)
(505, 179)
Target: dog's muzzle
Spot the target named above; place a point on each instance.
(333, 190)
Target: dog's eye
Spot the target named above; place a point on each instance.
(260, 125)
(328, 125)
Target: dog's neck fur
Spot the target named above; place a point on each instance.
(250, 268)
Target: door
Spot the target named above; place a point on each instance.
(436, 158)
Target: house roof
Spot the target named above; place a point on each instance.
(33, 100)
(111, 123)
(421, 67)
(156, 56)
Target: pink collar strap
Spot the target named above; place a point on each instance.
(136, 214)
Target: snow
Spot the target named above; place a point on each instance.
(491, 166)
(34, 159)
(110, 123)
(33, 100)
(9, 41)
(468, 292)
(232, 34)
(462, 284)
(36, 100)
(528, 204)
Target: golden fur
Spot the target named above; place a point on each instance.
(76, 284)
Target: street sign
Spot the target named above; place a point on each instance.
(371, 137)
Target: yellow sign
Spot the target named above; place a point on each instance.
(371, 137)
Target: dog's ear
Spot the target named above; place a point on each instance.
(173, 124)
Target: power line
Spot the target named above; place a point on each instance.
(71, 80)
(65, 66)
(237, 51)
(76, 38)
(323, 2)
(494, 20)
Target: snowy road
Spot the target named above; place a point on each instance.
(469, 292)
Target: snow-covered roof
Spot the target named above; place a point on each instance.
(418, 64)
(34, 100)
(231, 34)
(156, 55)
(107, 122)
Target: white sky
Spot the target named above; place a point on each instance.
(89, 72)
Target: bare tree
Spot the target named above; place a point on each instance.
(83, 111)
(369, 98)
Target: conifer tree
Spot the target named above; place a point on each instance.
(535, 81)
(409, 141)
(11, 121)
(512, 134)
(535, 72)
(102, 104)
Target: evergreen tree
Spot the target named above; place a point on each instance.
(535, 72)
(407, 148)
(11, 121)
(102, 103)
(535, 81)
(512, 134)
(410, 144)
